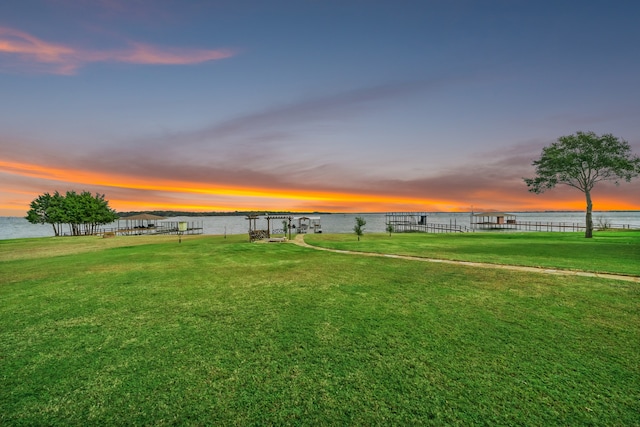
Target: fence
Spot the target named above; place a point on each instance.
(551, 226)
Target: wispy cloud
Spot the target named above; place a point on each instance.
(141, 53)
(27, 48)
(27, 52)
(275, 137)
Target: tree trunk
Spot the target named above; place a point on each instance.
(588, 233)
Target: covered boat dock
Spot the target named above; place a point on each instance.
(146, 223)
(493, 221)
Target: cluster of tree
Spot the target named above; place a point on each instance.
(83, 213)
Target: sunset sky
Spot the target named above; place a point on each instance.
(310, 105)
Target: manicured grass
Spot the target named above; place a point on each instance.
(218, 331)
(607, 252)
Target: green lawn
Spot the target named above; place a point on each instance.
(214, 331)
(606, 252)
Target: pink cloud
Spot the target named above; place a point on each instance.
(31, 49)
(140, 53)
(38, 55)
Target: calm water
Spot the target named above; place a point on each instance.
(14, 228)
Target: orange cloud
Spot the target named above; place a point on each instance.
(247, 197)
(34, 53)
(127, 192)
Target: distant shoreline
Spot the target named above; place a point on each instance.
(233, 213)
(169, 214)
(244, 213)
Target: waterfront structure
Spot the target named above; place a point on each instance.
(403, 222)
(493, 220)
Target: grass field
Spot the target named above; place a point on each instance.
(213, 331)
(608, 252)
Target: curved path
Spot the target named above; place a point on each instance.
(299, 240)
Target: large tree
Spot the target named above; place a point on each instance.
(580, 161)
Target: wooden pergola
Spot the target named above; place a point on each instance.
(280, 217)
(255, 234)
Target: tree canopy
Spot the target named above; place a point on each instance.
(83, 213)
(580, 161)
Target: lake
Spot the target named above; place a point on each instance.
(14, 227)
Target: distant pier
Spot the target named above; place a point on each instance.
(412, 222)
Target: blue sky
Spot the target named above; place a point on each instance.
(310, 105)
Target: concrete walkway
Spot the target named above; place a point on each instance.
(299, 240)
